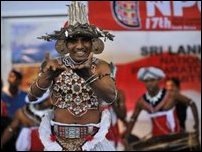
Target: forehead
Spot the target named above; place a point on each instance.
(150, 80)
(11, 74)
(79, 38)
(170, 83)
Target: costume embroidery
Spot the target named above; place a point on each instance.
(156, 99)
(71, 92)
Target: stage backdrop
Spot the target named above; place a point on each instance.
(165, 34)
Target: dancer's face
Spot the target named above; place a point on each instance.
(79, 48)
(151, 84)
(171, 86)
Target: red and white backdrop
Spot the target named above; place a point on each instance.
(165, 34)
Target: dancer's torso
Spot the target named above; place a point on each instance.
(165, 101)
(162, 113)
(74, 101)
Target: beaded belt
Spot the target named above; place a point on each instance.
(74, 131)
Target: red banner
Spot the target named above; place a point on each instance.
(186, 68)
(146, 15)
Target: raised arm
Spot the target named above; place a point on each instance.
(120, 107)
(50, 69)
(133, 118)
(183, 99)
(98, 77)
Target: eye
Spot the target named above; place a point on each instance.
(86, 39)
(72, 40)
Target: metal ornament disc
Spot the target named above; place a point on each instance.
(60, 46)
(97, 45)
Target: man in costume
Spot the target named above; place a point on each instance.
(28, 119)
(80, 85)
(173, 84)
(160, 103)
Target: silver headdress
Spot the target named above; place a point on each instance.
(77, 13)
(78, 25)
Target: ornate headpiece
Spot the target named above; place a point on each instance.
(145, 73)
(78, 25)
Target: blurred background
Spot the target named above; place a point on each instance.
(165, 34)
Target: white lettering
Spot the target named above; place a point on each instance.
(162, 6)
(179, 5)
(158, 22)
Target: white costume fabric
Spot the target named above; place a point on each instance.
(23, 142)
(150, 73)
(39, 100)
(99, 142)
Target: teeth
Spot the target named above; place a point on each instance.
(80, 53)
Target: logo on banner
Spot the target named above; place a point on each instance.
(126, 13)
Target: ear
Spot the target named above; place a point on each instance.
(61, 47)
(97, 46)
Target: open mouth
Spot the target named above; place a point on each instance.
(80, 53)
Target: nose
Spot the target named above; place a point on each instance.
(80, 44)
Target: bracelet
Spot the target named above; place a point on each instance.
(33, 95)
(115, 98)
(44, 89)
(30, 92)
(116, 95)
(103, 75)
(92, 79)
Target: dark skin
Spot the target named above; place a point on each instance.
(14, 83)
(173, 98)
(21, 119)
(80, 51)
(119, 106)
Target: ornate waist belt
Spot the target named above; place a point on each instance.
(73, 132)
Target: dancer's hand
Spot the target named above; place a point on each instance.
(51, 65)
(87, 64)
(86, 69)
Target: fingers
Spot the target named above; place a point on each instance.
(86, 64)
(45, 68)
(81, 66)
(47, 56)
(49, 66)
(53, 67)
(62, 68)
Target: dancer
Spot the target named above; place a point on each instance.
(79, 84)
(160, 103)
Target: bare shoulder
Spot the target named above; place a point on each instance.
(171, 94)
(102, 66)
(177, 96)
